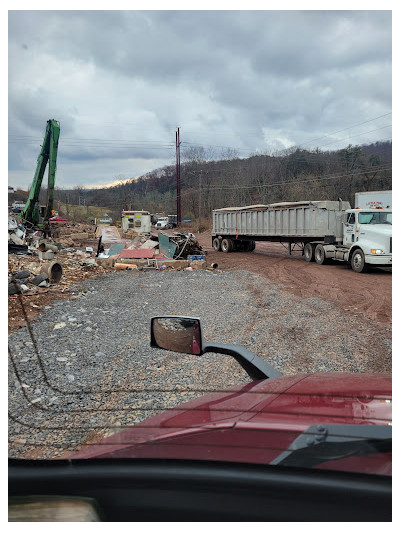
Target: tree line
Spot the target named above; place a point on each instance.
(209, 183)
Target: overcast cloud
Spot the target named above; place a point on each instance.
(121, 82)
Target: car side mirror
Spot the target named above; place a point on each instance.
(177, 334)
(183, 334)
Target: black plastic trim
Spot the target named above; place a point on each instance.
(170, 490)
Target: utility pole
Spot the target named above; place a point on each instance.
(178, 178)
(200, 200)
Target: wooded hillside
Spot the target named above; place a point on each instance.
(207, 184)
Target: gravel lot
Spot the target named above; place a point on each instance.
(96, 371)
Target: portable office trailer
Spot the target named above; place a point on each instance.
(136, 221)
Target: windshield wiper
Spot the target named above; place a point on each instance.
(335, 441)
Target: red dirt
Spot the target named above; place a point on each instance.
(369, 293)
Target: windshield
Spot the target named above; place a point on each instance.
(377, 217)
(145, 121)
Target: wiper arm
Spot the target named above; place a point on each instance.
(337, 441)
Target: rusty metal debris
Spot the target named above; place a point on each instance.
(39, 262)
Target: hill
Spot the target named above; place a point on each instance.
(292, 175)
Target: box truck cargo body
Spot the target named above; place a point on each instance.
(373, 199)
(321, 230)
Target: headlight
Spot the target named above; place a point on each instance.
(377, 252)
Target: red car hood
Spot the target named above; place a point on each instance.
(257, 422)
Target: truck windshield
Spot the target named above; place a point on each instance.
(378, 217)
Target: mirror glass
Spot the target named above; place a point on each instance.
(178, 334)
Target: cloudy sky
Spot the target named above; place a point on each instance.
(121, 82)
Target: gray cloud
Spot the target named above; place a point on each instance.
(120, 82)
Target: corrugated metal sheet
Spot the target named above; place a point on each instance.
(116, 249)
(166, 246)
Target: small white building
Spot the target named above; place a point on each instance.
(105, 219)
(136, 221)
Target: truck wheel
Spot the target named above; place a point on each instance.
(251, 246)
(226, 245)
(320, 257)
(309, 252)
(358, 261)
(216, 244)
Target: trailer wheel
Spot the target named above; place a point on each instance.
(358, 261)
(309, 252)
(216, 244)
(226, 245)
(320, 256)
(251, 246)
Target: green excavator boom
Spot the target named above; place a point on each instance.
(48, 154)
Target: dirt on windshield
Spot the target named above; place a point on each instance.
(368, 294)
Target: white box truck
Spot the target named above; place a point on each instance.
(322, 230)
(372, 199)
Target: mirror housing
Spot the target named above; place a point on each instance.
(177, 334)
(183, 334)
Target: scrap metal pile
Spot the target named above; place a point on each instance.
(37, 263)
(43, 268)
(186, 245)
(163, 252)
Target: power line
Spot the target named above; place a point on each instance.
(215, 188)
(358, 135)
(132, 142)
(293, 147)
(348, 128)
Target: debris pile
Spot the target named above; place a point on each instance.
(26, 280)
(163, 252)
(43, 266)
(186, 244)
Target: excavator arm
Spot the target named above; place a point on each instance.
(48, 154)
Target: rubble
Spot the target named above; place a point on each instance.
(43, 268)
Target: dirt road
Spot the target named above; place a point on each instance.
(369, 293)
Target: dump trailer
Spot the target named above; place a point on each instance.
(321, 230)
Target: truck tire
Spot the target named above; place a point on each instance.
(216, 244)
(226, 245)
(251, 246)
(358, 261)
(320, 257)
(309, 252)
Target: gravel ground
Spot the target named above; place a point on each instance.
(96, 371)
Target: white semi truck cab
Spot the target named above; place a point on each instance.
(367, 240)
